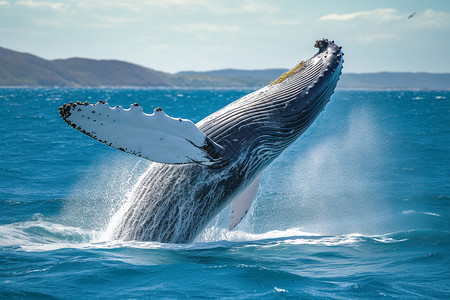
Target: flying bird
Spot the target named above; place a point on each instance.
(411, 15)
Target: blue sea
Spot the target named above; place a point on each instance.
(358, 207)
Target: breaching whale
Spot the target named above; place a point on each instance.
(200, 168)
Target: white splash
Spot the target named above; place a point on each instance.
(98, 195)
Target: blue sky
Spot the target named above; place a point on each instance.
(176, 35)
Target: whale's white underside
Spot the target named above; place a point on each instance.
(156, 136)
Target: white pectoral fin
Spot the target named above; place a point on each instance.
(242, 202)
(156, 136)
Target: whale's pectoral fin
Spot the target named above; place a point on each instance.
(156, 137)
(242, 202)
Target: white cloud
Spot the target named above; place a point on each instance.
(258, 7)
(40, 4)
(4, 3)
(106, 22)
(432, 19)
(287, 22)
(101, 5)
(377, 37)
(214, 6)
(205, 28)
(160, 47)
(379, 15)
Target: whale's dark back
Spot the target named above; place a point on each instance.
(173, 203)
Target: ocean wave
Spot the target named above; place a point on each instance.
(408, 212)
(40, 235)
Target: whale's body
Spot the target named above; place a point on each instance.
(174, 202)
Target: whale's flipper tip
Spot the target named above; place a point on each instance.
(157, 137)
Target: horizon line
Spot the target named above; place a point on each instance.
(209, 70)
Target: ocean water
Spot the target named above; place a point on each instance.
(358, 207)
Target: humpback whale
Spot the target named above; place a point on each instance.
(200, 168)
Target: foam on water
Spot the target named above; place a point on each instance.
(407, 212)
(38, 236)
(42, 236)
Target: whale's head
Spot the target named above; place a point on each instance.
(307, 81)
(262, 124)
(298, 96)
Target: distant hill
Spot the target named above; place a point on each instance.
(23, 69)
(89, 72)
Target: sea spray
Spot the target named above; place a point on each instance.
(333, 182)
(96, 196)
(117, 215)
